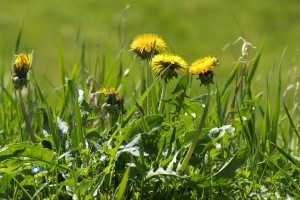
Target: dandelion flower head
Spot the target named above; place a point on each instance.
(112, 96)
(22, 61)
(203, 65)
(144, 44)
(173, 62)
(111, 90)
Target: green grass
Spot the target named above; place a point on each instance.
(90, 147)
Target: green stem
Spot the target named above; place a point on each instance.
(26, 119)
(197, 133)
(148, 85)
(161, 102)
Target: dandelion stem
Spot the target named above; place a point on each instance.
(161, 102)
(197, 133)
(148, 85)
(25, 116)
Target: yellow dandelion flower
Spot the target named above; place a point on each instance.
(144, 44)
(201, 66)
(22, 61)
(109, 91)
(173, 62)
(112, 92)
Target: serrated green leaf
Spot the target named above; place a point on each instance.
(5, 183)
(136, 127)
(229, 168)
(29, 150)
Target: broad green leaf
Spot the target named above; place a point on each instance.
(168, 138)
(10, 165)
(5, 183)
(32, 152)
(29, 150)
(84, 186)
(136, 126)
(229, 168)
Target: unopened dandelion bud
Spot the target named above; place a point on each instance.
(113, 99)
(21, 67)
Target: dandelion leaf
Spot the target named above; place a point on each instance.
(31, 151)
(229, 168)
(5, 184)
(136, 127)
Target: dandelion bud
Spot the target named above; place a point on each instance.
(113, 99)
(21, 67)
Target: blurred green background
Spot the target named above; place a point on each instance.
(191, 28)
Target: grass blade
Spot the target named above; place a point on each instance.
(286, 155)
(230, 78)
(255, 65)
(141, 99)
(123, 184)
(290, 120)
(18, 40)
